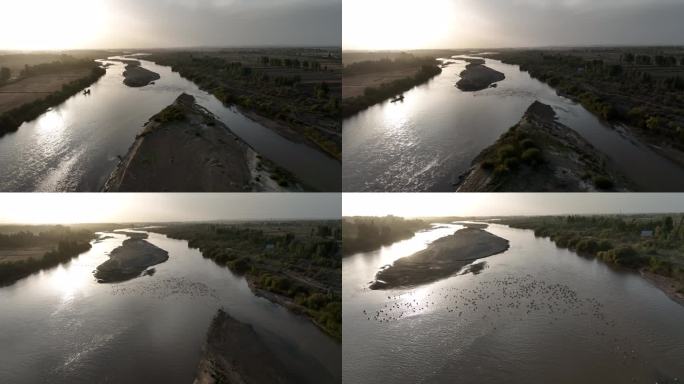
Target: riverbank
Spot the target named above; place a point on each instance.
(539, 154)
(642, 95)
(25, 250)
(441, 259)
(137, 76)
(385, 91)
(130, 260)
(477, 76)
(41, 88)
(366, 234)
(618, 240)
(184, 148)
(670, 286)
(296, 265)
(300, 92)
(235, 353)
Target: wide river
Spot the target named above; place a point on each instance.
(74, 146)
(61, 326)
(427, 141)
(534, 314)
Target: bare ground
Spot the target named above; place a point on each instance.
(353, 86)
(34, 88)
(441, 259)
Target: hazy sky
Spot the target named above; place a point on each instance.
(68, 24)
(67, 208)
(407, 24)
(501, 204)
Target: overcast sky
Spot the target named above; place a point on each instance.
(68, 208)
(68, 24)
(505, 204)
(410, 24)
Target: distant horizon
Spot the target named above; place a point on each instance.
(218, 221)
(509, 204)
(2, 50)
(514, 215)
(521, 47)
(121, 208)
(407, 25)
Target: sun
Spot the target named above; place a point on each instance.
(51, 24)
(396, 24)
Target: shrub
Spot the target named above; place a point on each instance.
(532, 156)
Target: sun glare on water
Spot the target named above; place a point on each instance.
(51, 24)
(396, 24)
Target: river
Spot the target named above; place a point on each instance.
(534, 314)
(61, 326)
(74, 146)
(427, 141)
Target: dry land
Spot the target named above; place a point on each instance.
(641, 87)
(477, 76)
(540, 155)
(442, 258)
(354, 85)
(137, 76)
(30, 89)
(129, 260)
(185, 148)
(299, 88)
(235, 353)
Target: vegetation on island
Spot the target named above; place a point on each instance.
(11, 120)
(365, 234)
(298, 89)
(62, 244)
(295, 263)
(654, 243)
(642, 87)
(428, 67)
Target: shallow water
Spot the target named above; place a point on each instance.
(61, 326)
(534, 314)
(427, 141)
(74, 146)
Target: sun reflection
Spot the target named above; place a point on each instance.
(69, 281)
(50, 122)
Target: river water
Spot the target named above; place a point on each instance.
(61, 326)
(534, 314)
(74, 146)
(427, 141)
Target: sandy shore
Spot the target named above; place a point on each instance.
(235, 353)
(185, 148)
(442, 258)
(130, 260)
(668, 285)
(137, 76)
(569, 162)
(477, 76)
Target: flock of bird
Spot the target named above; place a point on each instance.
(523, 297)
(164, 288)
(509, 299)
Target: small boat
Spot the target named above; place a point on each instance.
(397, 98)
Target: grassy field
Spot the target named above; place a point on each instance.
(366, 83)
(298, 88)
(34, 88)
(618, 240)
(295, 263)
(25, 250)
(38, 87)
(640, 86)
